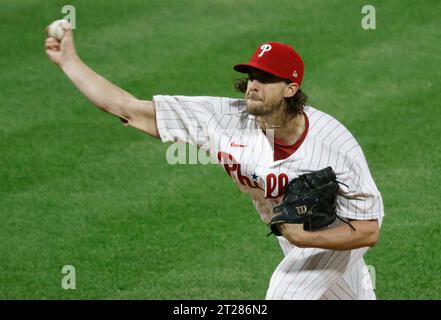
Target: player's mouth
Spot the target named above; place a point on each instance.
(253, 97)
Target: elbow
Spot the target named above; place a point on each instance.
(373, 237)
(368, 233)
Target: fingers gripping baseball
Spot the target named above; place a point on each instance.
(59, 44)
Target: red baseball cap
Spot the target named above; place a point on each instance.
(278, 59)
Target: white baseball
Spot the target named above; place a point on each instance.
(55, 30)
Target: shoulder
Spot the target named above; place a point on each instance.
(214, 104)
(216, 112)
(329, 131)
(320, 122)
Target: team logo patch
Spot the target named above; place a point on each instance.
(294, 74)
(265, 48)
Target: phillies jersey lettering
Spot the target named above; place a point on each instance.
(274, 184)
(233, 170)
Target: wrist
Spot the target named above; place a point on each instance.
(295, 234)
(69, 63)
(300, 238)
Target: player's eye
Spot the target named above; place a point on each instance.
(263, 78)
(259, 78)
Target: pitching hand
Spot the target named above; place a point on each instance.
(60, 52)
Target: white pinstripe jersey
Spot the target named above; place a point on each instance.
(242, 148)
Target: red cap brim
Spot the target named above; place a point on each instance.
(245, 68)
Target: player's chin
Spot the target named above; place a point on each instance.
(255, 107)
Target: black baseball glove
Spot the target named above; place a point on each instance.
(310, 200)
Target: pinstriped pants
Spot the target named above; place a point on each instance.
(314, 274)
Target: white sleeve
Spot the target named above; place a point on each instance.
(183, 119)
(361, 200)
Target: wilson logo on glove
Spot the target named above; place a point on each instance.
(302, 209)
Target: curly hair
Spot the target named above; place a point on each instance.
(295, 103)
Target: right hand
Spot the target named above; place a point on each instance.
(60, 52)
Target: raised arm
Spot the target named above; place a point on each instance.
(108, 97)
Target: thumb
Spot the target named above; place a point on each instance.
(67, 27)
(67, 40)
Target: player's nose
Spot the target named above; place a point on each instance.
(253, 84)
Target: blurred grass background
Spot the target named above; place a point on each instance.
(78, 188)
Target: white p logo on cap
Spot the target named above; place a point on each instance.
(265, 48)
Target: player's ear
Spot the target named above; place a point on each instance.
(291, 89)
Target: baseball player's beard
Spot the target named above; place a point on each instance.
(259, 109)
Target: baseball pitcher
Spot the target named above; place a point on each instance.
(304, 171)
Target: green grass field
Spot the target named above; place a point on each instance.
(77, 188)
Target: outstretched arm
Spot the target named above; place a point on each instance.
(108, 97)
